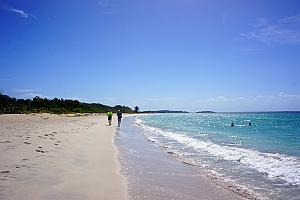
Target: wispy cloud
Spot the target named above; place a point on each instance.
(27, 93)
(108, 6)
(279, 101)
(271, 102)
(249, 49)
(19, 12)
(283, 31)
(5, 79)
(23, 90)
(161, 99)
(291, 19)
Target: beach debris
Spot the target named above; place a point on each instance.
(5, 172)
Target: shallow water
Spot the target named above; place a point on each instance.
(263, 157)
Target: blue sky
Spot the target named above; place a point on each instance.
(190, 55)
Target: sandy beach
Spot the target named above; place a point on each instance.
(44, 156)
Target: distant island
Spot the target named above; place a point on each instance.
(206, 111)
(164, 111)
(10, 105)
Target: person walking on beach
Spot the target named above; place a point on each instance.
(109, 117)
(119, 114)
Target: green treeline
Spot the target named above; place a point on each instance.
(9, 105)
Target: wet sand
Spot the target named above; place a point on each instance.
(155, 174)
(44, 156)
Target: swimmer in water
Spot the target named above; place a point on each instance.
(232, 124)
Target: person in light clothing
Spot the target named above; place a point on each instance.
(109, 117)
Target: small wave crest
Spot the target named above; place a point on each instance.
(275, 165)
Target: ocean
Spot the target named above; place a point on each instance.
(263, 158)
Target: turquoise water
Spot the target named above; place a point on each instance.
(263, 157)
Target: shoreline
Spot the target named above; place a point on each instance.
(45, 156)
(153, 173)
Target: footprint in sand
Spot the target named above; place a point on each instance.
(26, 142)
(5, 173)
(42, 137)
(40, 151)
(5, 142)
(21, 166)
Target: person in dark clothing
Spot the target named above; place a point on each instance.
(119, 114)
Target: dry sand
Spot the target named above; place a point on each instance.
(48, 156)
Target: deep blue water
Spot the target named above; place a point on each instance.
(264, 157)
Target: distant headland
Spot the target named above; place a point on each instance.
(206, 111)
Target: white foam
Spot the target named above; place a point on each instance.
(283, 167)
